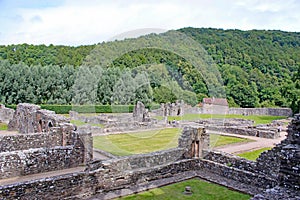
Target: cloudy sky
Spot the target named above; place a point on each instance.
(75, 22)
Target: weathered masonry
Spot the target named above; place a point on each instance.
(275, 175)
(45, 142)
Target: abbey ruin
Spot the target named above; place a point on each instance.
(46, 142)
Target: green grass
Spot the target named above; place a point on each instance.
(258, 119)
(138, 142)
(217, 140)
(201, 190)
(81, 123)
(149, 141)
(253, 155)
(3, 127)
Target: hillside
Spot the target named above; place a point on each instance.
(258, 69)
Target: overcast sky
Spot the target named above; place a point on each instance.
(75, 22)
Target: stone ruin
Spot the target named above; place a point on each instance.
(171, 109)
(112, 123)
(275, 174)
(45, 142)
(140, 113)
(29, 118)
(241, 127)
(6, 114)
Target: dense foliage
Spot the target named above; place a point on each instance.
(258, 68)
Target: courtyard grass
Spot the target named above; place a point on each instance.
(258, 119)
(253, 155)
(3, 127)
(200, 189)
(81, 123)
(217, 140)
(150, 141)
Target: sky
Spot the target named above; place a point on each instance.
(81, 22)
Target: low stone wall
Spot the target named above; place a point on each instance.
(261, 111)
(231, 161)
(241, 111)
(84, 184)
(242, 176)
(139, 161)
(33, 161)
(43, 152)
(32, 140)
(249, 131)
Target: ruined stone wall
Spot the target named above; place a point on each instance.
(171, 109)
(36, 160)
(231, 161)
(240, 175)
(124, 174)
(250, 131)
(261, 111)
(33, 161)
(83, 184)
(32, 140)
(215, 109)
(45, 143)
(283, 161)
(289, 173)
(6, 114)
(139, 161)
(194, 140)
(30, 118)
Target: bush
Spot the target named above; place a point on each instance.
(64, 109)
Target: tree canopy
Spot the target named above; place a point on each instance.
(257, 68)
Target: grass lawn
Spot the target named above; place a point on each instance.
(220, 140)
(253, 155)
(3, 127)
(258, 119)
(138, 142)
(81, 123)
(201, 190)
(149, 141)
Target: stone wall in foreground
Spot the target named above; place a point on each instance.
(45, 142)
(37, 160)
(32, 140)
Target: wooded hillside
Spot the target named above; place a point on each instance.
(258, 68)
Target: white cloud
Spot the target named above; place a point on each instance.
(88, 22)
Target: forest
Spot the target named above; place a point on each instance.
(258, 68)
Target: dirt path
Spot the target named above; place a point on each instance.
(243, 147)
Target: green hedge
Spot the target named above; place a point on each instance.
(64, 109)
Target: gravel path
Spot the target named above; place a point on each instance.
(243, 147)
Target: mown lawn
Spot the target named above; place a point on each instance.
(200, 189)
(149, 141)
(81, 123)
(3, 127)
(258, 119)
(220, 140)
(253, 155)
